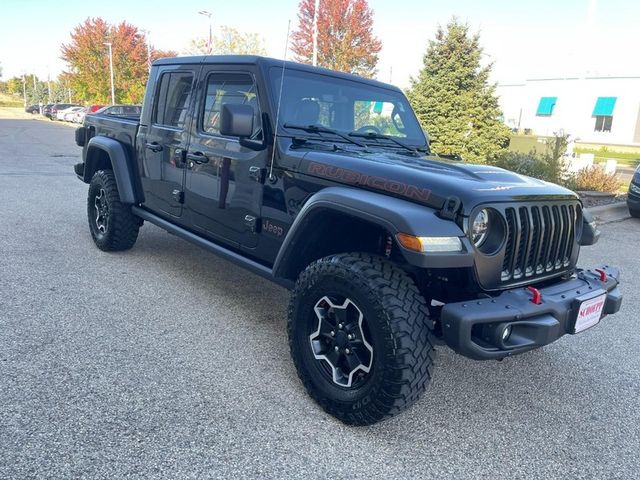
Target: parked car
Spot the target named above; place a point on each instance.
(78, 115)
(35, 108)
(121, 110)
(58, 107)
(68, 113)
(61, 112)
(386, 246)
(633, 199)
(46, 110)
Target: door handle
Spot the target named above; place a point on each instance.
(197, 157)
(154, 146)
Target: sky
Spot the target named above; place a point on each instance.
(533, 39)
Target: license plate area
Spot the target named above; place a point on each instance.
(589, 311)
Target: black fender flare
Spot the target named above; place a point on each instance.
(392, 214)
(120, 164)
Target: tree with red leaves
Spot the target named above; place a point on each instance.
(88, 61)
(345, 36)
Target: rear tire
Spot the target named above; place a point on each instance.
(393, 346)
(112, 225)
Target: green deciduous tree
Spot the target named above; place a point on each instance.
(88, 60)
(14, 86)
(345, 36)
(454, 100)
(229, 41)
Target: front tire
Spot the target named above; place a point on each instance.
(634, 213)
(113, 227)
(360, 337)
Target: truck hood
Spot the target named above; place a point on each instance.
(429, 180)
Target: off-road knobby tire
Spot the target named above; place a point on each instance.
(398, 320)
(634, 213)
(122, 225)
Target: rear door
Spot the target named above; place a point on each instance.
(163, 143)
(223, 188)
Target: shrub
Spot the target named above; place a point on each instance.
(594, 179)
(554, 159)
(530, 164)
(549, 166)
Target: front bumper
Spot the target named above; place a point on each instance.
(473, 328)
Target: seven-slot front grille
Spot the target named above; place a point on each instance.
(540, 240)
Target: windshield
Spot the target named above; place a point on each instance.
(344, 105)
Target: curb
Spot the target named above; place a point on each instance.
(614, 212)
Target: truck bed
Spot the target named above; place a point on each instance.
(123, 129)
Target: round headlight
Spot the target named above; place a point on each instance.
(480, 227)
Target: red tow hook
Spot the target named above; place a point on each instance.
(536, 296)
(603, 275)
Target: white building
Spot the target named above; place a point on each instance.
(600, 110)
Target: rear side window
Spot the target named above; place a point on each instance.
(224, 88)
(131, 110)
(174, 97)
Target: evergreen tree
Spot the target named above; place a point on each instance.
(453, 99)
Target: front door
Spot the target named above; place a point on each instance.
(164, 141)
(223, 187)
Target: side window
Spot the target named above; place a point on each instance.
(224, 88)
(173, 99)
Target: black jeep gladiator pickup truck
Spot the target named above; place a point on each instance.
(324, 183)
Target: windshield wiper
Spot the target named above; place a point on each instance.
(448, 156)
(299, 142)
(320, 129)
(381, 136)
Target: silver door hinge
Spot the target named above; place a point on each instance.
(178, 196)
(257, 174)
(251, 222)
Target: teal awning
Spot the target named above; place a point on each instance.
(604, 107)
(545, 107)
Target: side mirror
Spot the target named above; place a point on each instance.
(236, 120)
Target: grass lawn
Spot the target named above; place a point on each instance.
(10, 101)
(630, 159)
(527, 143)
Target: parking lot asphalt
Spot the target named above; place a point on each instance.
(168, 362)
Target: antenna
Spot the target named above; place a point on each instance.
(275, 130)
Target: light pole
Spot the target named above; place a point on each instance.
(36, 94)
(24, 90)
(315, 33)
(113, 92)
(146, 40)
(210, 42)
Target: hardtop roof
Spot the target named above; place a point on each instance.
(266, 62)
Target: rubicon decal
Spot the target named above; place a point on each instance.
(356, 178)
